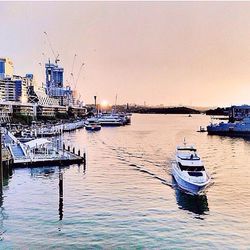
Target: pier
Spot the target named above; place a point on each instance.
(38, 152)
(67, 158)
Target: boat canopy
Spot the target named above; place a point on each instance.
(37, 142)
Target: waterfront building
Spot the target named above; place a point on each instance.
(13, 88)
(237, 113)
(37, 94)
(5, 112)
(24, 96)
(6, 68)
(7, 90)
(25, 109)
(50, 111)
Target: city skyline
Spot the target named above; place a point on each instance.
(171, 53)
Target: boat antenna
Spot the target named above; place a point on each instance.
(184, 141)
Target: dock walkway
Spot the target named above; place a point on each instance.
(44, 160)
(39, 152)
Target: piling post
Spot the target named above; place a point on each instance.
(69, 148)
(79, 153)
(63, 146)
(60, 184)
(84, 160)
(60, 196)
(73, 150)
(10, 167)
(1, 164)
(5, 169)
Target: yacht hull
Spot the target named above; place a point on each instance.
(188, 186)
(93, 128)
(110, 124)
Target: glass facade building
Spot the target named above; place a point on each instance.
(6, 68)
(18, 90)
(2, 69)
(54, 76)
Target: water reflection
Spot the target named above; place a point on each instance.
(60, 177)
(197, 204)
(1, 200)
(49, 172)
(43, 171)
(6, 179)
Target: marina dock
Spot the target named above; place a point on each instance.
(40, 152)
(67, 158)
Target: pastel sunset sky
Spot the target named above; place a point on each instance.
(171, 53)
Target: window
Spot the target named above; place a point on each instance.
(2, 67)
(195, 173)
(191, 168)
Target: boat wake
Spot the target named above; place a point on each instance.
(141, 163)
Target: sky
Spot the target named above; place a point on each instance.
(170, 53)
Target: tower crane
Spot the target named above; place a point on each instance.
(75, 81)
(71, 74)
(78, 75)
(56, 57)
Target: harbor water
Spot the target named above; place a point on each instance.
(126, 197)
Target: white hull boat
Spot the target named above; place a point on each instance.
(110, 121)
(188, 170)
(92, 124)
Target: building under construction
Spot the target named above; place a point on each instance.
(24, 96)
(55, 87)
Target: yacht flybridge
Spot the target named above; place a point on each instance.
(188, 170)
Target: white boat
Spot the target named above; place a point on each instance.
(202, 130)
(110, 120)
(240, 128)
(92, 124)
(189, 171)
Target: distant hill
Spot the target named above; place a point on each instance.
(133, 108)
(162, 110)
(218, 111)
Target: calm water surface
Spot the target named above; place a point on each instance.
(126, 198)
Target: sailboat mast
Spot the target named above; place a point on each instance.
(115, 102)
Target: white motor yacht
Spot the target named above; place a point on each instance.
(92, 124)
(110, 120)
(189, 171)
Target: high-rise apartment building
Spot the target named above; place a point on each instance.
(6, 68)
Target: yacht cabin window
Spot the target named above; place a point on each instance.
(191, 168)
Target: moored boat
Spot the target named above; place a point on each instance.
(110, 120)
(241, 128)
(202, 130)
(92, 124)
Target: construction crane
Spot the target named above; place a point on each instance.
(56, 57)
(71, 73)
(73, 64)
(78, 75)
(75, 81)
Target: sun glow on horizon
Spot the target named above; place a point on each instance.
(104, 103)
